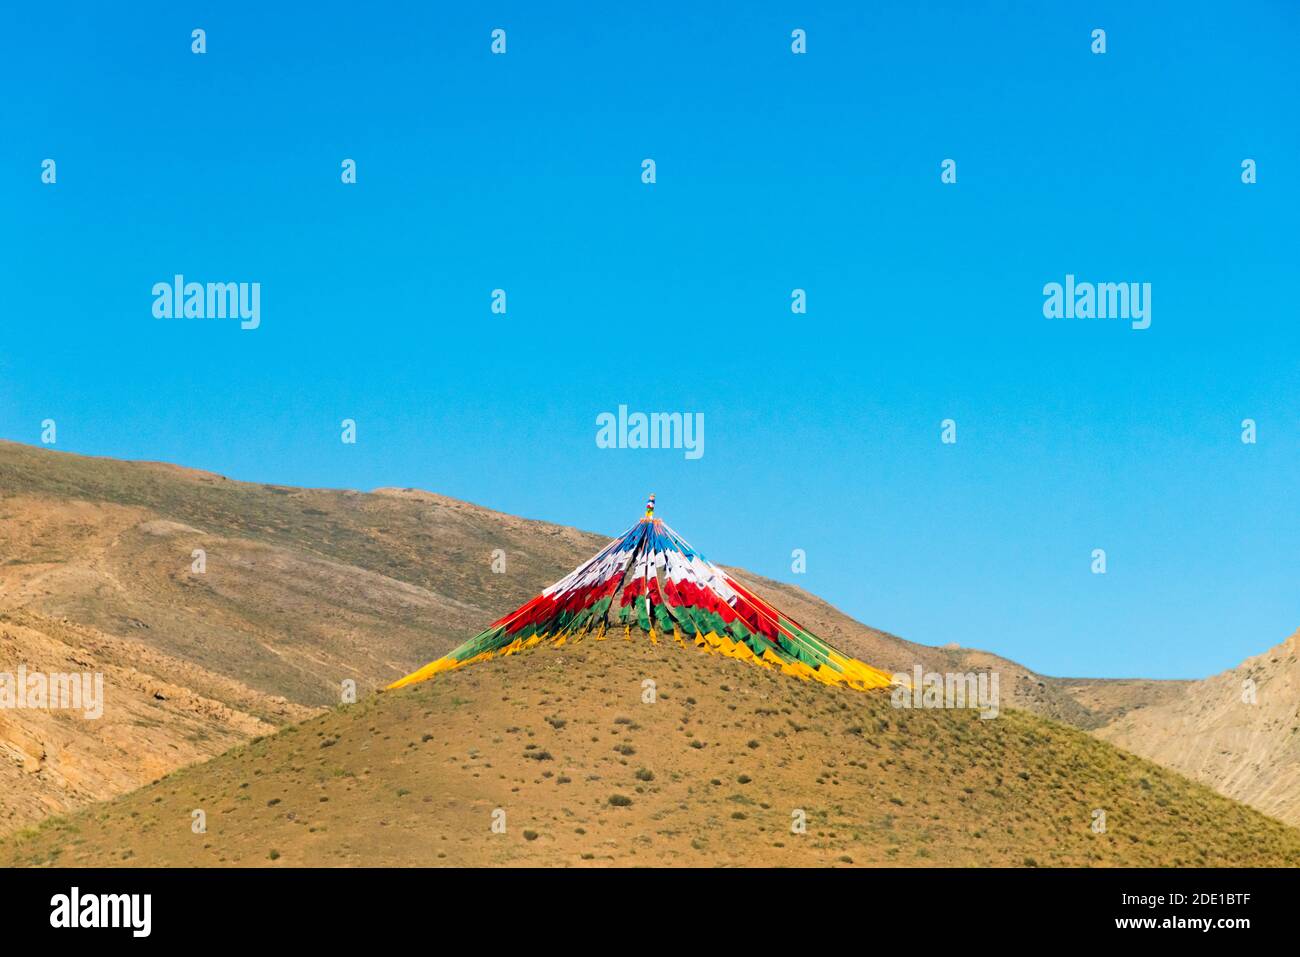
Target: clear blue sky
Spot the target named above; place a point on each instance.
(775, 171)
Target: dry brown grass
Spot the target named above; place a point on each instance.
(710, 774)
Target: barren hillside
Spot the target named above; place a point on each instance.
(1238, 732)
(301, 590)
(560, 748)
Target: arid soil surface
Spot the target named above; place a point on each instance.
(1238, 731)
(302, 590)
(562, 747)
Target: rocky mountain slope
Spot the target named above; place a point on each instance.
(1238, 732)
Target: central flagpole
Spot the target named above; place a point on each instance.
(649, 565)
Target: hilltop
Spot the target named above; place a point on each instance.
(714, 772)
(302, 589)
